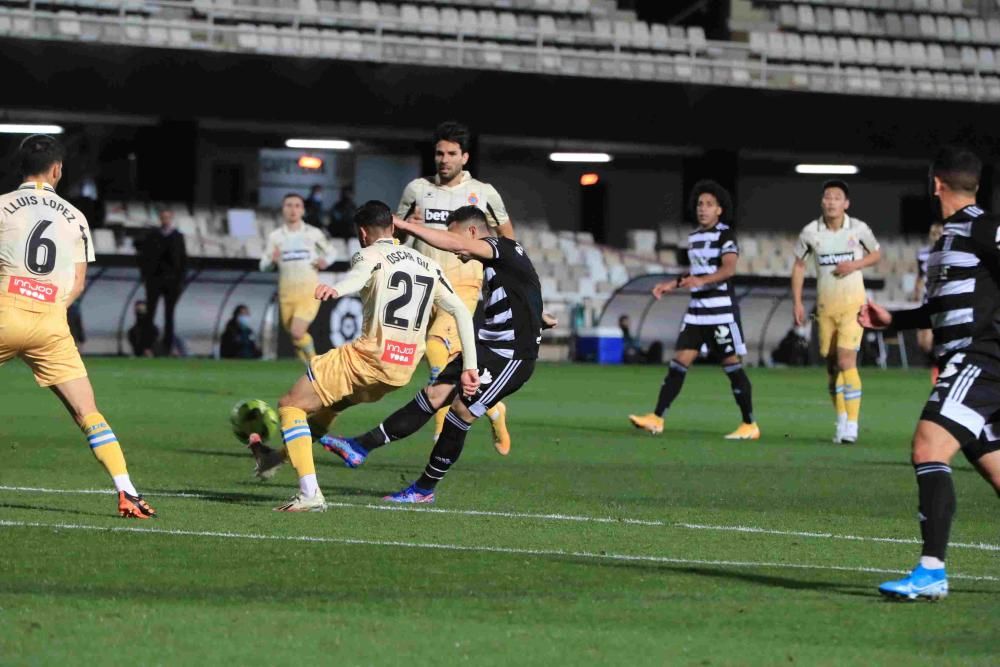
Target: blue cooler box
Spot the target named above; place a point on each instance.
(603, 345)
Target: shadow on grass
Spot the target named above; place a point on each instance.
(58, 510)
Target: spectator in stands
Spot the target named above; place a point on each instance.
(342, 215)
(163, 264)
(238, 337)
(314, 207)
(631, 350)
(143, 333)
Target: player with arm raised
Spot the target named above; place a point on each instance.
(298, 252)
(712, 317)
(430, 201)
(398, 286)
(44, 250)
(962, 306)
(508, 344)
(841, 247)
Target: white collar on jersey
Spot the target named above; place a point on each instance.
(466, 177)
(390, 241)
(36, 185)
(821, 223)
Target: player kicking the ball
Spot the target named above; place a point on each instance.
(397, 285)
(507, 350)
(44, 249)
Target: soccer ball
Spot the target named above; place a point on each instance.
(254, 416)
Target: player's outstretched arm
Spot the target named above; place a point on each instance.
(79, 282)
(666, 286)
(873, 316)
(362, 270)
(447, 241)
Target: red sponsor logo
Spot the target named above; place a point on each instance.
(32, 289)
(399, 353)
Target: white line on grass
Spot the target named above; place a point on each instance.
(469, 548)
(976, 546)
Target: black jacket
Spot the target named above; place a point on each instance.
(163, 258)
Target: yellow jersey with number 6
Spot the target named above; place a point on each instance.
(42, 239)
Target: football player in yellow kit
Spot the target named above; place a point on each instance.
(840, 247)
(398, 286)
(45, 246)
(299, 252)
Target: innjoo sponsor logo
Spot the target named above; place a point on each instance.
(32, 289)
(399, 353)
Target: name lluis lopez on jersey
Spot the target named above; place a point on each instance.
(32, 200)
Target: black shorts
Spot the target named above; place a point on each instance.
(498, 377)
(723, 340)
(965, 401)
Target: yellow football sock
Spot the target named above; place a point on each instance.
(304, 347)
(852, 393)
(439, 420)
(493, 413)
(437, 357)
(104, 444)
(298, 440)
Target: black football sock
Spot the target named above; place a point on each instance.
(937, 506)
(671, 387)
(446, 451)
(401, 423)
(742, 390)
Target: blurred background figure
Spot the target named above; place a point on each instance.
(163, 264)
(238, 337)
(342, 215)
(314, 207)
(143, 333)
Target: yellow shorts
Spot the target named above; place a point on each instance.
(39, 334)
(339, 379)
(300, 305)
(839, 328)
(443, 324)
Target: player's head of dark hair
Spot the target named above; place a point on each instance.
(374, 215)
(291, 195)
(838, 183)
(467, 216)
(722, 198)
(241, 310)
(453, 132)
(37, 153)
(958, 168)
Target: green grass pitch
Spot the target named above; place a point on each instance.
(591, 543)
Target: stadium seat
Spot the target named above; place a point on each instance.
(696, 37)
(884, 55)
(369, 11)
(935, 56)
(824, 19)
(848, 50)
(928, 27)
(758, 43)
(104, 241)
(911, 26)
(180, 33)
(430, 19)
(945, 28)
(787, 17)
(640, 35)
(829, 45)
(841, 20)
(969, 58)
(468, 21)
(157, 34)
(942, 84)
(806, 18)
(793, 46)
(507, 26)
(489, 23)
(859, 22)
(986, 60)
(977, 30)
(960, 85)
(409, 17)
(68, 24)
(893, 25)
(658, 37)
(776, 45)
(812, 49)
(993, 30)
(918, 55)
(866, 51)
(963, 31)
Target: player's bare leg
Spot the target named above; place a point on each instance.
(742, 392)
(78, 397)
(652, 422)
(298, 330)
(989, 467)
(293, 409)
(933, 448)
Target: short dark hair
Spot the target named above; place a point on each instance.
(466, 214)
(710, 187)
(37, 153)
(373, 213)
(293, 194)
(837, 183)
(958, 168)
(454, 132)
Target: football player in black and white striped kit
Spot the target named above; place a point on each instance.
(925, 337)
(963, 410)
(713, 316)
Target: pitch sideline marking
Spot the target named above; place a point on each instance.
(469, 548)
(977, 546)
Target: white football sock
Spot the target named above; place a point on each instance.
(931, 563)
(308, 485)
(123, 483)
